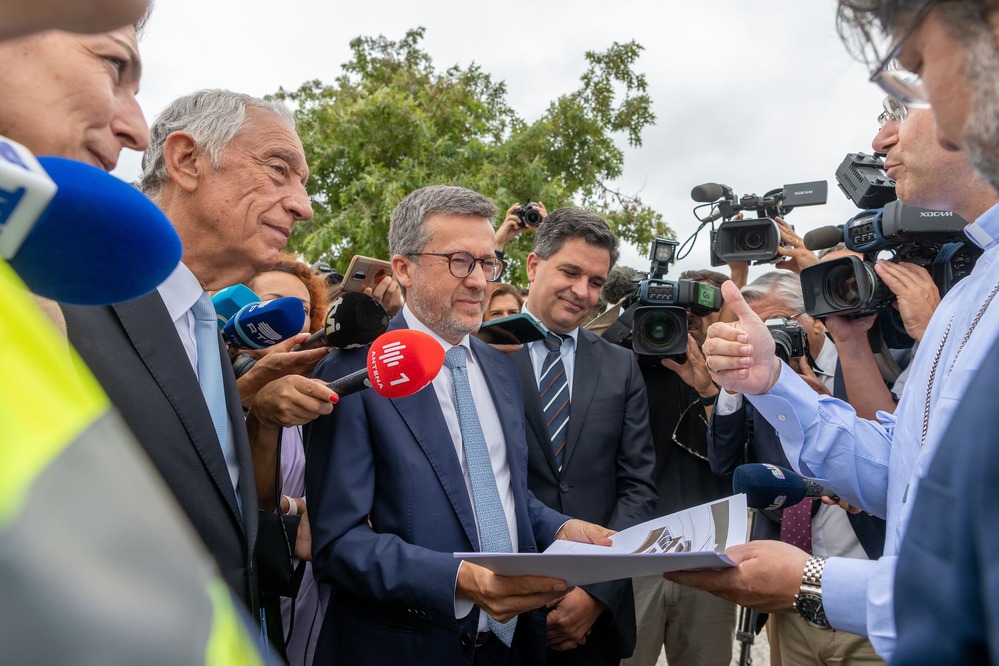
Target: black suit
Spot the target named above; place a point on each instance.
(134, 351)
(607, 472)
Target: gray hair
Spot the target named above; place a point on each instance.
(829, 250)
(785, 286)
(408, 232)
(705, 275)
(568, 223)
(212, 117)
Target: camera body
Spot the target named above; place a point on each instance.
(849, 286)
(654, 322)
(789, 337)
(756, 240)
(529, 214)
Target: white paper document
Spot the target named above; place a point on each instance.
(695, 538)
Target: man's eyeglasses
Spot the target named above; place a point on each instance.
(461, 264)
(893, 110)
(905, 86)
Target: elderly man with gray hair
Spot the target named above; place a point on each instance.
(229, 171)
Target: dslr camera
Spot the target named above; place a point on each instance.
(754, 240)
(932, 239)
(654, 322)
(529, 214)
(789, 337)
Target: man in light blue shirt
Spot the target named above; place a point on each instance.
(874, 465)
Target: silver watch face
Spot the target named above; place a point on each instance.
(809, 607)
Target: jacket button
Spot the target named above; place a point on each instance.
(564, 487)
(466, 641)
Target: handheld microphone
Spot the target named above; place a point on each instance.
(771, 487)
(79, 235)
(354, 319)
(823, 237)
(227, 302)
(399, 363)
(709, 192)
(261, 325)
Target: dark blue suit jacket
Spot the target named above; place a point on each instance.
(947, 576)
(389, 506)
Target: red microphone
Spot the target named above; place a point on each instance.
(400, 363)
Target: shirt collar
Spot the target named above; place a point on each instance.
(180, 291)
(574, 333)
(984, 232)
(414, 323)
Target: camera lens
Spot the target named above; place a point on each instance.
(532, 217)
(752, 240)
(844, 286)
(782, 345)
(661, 330)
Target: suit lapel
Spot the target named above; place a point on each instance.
(151, 331)
(585, 377)
(533, 413)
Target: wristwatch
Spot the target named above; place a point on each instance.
(808, 601)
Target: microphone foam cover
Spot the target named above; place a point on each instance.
(823, 237)
(403, 361)
(768, 486)
(707, 192)
(99, 241)
(261, 325)
(227, 302)
(354, 319)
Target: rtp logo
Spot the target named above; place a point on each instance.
(25, 193)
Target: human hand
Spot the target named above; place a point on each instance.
(388, 293)
(276, 362)
(803, 370)
(292, 400)
(694, 372)
(571, 618)
(581, 531)
(915, 290)
(796, 256)
(847, 330)
(766, 576)
(303, 540)
(512, 227)
(740, 354)
(841, 503)
(505, 597)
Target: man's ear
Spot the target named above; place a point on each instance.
(532, 266)
(185, 164)
(402, 270)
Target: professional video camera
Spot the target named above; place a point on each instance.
(932, 239)
(754, 240)
(529, 214)
(654, 321)
(789, 337)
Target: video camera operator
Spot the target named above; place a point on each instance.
(739, 435)
(871, 465)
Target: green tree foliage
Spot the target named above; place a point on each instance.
(391, 123)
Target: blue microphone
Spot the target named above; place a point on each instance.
(79, 235)
(772, 487)
(261, 325)
(227, 302)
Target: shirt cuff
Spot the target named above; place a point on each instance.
(727, 403)
(462, 607)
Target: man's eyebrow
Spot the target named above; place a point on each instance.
(294, 160)
(134, 63)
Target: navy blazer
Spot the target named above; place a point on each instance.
(947, 575)
(607, 472)
(134, 351)
(389, 507)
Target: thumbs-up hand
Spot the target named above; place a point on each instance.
(740, 354)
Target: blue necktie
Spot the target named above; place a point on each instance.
(553, 387)
(206, 335)
(494, 534)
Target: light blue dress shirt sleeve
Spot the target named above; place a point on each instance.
(857, 597)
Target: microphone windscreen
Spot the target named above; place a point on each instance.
(403, 361)
(823, 237)
(261, 325)
(707, 192)
(99, 240)
(227, 302)
(768, 486)
(353, 319)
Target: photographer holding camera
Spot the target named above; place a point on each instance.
(738, 435)
(871, 465)
(520, 218)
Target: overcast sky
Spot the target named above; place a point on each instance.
(754, 94)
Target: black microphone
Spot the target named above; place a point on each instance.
(772, 487)
(354, 319)
(824, 237)
(709, 192)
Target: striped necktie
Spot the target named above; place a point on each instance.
(553, 387)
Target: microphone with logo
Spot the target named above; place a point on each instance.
(353, 319)
(261, 325)
(227, 302)
(770, 487)
(399, 363)
(79, 235)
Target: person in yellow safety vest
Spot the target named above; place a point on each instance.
(97, 563)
